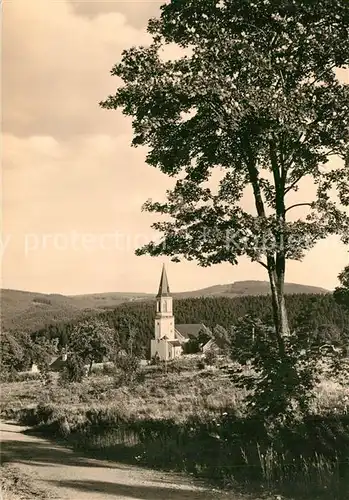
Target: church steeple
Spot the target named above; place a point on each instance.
(164, 289)
(164, 320)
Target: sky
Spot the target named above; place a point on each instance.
(72, 187)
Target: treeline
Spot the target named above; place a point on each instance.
(320, 315)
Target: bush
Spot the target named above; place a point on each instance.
(281, 387)
(211, 357)
(201, 365)
(73, 371)
(108, 369)
(128, 369)
(155, 360)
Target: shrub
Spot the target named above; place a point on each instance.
(129, 369)
(155, 360)
(281, 388)
(73, 370)
(211, 357)
(108, 369)
(201, 364)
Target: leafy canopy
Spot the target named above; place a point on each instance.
(18, 351)
(91, 340)
(341, 293)
(282, 392)
(257, 95)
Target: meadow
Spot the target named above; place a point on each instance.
(190, 417)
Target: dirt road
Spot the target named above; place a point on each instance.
(66, 475)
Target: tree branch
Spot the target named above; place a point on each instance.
(298, 205)
(294, 183)
(318, 78)
(278, 179)
(262, 264)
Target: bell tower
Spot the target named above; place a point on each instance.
(164, 319)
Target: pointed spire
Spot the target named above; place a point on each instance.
(164, 289)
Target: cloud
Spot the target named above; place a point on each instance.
(58, 68)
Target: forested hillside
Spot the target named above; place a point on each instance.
(325, 318)
(30, 311)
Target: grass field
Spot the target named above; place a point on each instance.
(175, 393)
(193, 420)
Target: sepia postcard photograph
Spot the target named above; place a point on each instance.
(174, 285)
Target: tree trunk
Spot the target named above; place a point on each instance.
(277, 281)
(279, 261)
(275, 262)
(90, 368)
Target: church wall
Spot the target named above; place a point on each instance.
(165, 326)
(160, 347)
(178, 351)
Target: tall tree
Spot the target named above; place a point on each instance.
(221, 335)
(255, 97)
(11, 353)
(90, 341)
(341, 293)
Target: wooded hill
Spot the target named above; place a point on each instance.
(325, 319)
(30, 311)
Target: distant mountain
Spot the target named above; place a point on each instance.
(31, 311)
(251, 287)
(22, 310)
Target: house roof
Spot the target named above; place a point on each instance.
(164, 289)
(175, 343)
(57, 363)
(188, 330)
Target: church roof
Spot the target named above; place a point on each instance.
(164, 289)
(175, 343)
(188, 330)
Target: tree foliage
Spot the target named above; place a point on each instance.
(91, 341)
(73, 370)
(19, 351)
(341, 293)
(12, 352)
(256, 94)
(281, 391)
(320, 313)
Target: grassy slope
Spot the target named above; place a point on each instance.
(181, 391)
(32, 311)
(107, 420)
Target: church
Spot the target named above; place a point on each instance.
(170, 339)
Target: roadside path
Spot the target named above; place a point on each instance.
(66, 475)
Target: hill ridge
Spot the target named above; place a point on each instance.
(22, 309)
